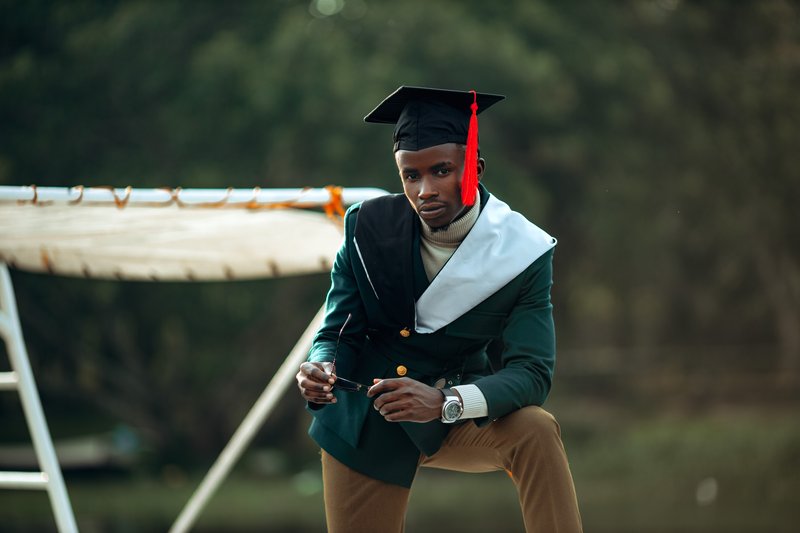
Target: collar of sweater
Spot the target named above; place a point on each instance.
(451, 235)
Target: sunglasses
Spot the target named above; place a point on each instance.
(343, 383)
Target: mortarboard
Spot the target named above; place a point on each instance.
(426, 117)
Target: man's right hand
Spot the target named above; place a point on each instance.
(315, 381)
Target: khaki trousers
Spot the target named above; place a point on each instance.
(526, 443)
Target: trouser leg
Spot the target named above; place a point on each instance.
(355, 503)
(527, 444)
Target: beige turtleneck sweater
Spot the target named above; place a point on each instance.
(437, 246)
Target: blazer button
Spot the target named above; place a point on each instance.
(401, 370)
(405, 333)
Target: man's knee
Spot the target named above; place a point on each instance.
(531, 423)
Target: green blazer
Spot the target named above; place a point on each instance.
(377, 287)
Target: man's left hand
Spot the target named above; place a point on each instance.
(406, 400)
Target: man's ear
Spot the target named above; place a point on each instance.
(481, 167)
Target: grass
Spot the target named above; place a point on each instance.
(731, 471)
(722, 472)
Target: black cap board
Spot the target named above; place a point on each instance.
(426, 117)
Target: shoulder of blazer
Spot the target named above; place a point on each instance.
(376, 210)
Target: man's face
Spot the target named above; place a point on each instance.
(432, 181)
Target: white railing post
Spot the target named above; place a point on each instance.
(21, 379)
(248, 428)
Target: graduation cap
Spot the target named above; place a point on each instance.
(426, 117)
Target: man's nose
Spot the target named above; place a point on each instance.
(426, 188)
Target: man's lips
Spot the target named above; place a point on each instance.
(431, 210)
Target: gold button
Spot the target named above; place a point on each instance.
(401, 370)
(405, 333)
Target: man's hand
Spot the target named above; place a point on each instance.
(406, 400)
(315, 381)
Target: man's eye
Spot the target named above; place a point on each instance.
(411, 177)
(442, 172)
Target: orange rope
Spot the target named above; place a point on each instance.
(120, 202)
(335, 204)
(35, 200)
(77, 200)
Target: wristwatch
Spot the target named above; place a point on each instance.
(452, 407)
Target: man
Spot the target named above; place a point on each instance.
(398, 376)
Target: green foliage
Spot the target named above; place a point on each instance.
(656, 139)
(727, 472)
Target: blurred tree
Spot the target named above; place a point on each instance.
(655, 138)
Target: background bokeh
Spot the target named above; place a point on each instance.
(657, 139)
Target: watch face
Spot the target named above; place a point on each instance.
(452, 411)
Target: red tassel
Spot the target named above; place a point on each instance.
(469, 182)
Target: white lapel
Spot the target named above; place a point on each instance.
(500, 245)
